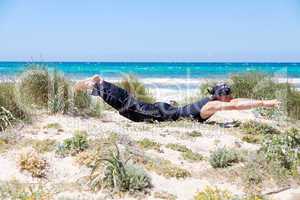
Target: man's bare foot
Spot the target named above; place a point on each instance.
(88, 83)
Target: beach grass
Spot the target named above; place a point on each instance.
(133, 85)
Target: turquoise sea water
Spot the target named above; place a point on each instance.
(155, 70)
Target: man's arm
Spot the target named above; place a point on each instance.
(245, 104)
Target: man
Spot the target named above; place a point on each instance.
(138, 111)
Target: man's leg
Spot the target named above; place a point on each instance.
(113, 95)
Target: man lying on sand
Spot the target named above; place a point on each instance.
(138, 111)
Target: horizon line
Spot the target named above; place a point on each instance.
(146, 61)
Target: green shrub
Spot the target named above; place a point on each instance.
(10, 109)
(118, 175)
(256, 128)
(136, 88)
(283, 148)
(74, 145)
(259, 169)
(224, 157)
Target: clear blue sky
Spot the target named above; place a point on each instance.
(153, 30)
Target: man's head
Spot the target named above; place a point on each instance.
(221, 92)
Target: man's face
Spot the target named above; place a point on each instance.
(225, 98)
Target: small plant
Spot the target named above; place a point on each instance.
(148, 144)
(177, 147)
(186, 153)
(195, 134)
(191, 156)
(251, 138)
(74, 145)
(213, 193)
(255, 128)
(118, 175)
(87, 158)
(165, 195)
(43, 146)
(224, 157)
(166, 168)
(32, 162)
(53, 125)
(253, 174)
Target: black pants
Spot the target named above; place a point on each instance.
(131, 108)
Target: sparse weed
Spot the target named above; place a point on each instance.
(165, 195)
(177, 147)
(224, 157)
(32, 162)
(251, 138)
(43, 146)
(186, 153)
(148, 144)
(74, 145)
(191, 156)
(256, 128)
(195, 134)
(166, 168)
(54, 125)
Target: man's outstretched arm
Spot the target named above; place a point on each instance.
(236, 104)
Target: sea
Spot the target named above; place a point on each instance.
(158, 75)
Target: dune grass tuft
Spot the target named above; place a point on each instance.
(10, 109)
(136, 88)
(112, 172)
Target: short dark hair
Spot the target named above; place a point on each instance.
(220, 89)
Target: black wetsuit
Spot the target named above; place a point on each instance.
(138, 111)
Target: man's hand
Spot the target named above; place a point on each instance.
(271, 103)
